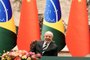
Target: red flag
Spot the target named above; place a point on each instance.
(77, 35)
(29, 29)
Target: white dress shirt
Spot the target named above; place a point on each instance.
(45, 45)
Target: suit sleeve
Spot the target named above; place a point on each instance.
(56, 52)
(33, 47)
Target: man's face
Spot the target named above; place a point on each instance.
(48, 37)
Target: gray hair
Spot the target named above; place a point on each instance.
(49, 32)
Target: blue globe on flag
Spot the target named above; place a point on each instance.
(52, 12)
(4, 10)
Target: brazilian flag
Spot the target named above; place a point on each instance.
(53, 22)
(7, 27)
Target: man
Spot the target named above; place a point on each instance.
(46, 47)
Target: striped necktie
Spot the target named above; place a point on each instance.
(45, 47)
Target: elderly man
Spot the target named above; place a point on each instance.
(47, 47)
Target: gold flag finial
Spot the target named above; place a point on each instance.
(79, 0)
(28, 0)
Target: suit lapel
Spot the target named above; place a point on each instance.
(41, 44)
(49, 47)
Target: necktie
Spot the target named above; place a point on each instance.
(45, 47)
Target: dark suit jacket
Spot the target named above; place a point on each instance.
(50, 51)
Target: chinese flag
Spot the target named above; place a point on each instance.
(77, 35)
(29, 29)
